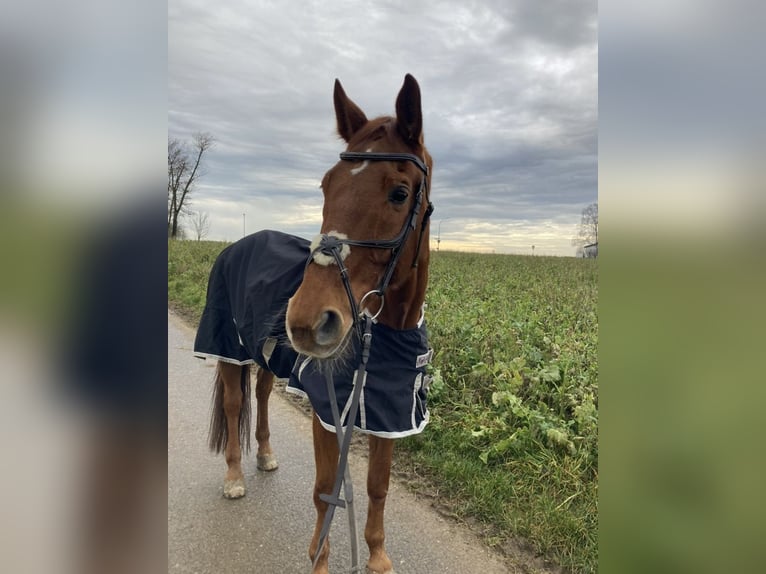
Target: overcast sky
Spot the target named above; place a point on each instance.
(510, 101)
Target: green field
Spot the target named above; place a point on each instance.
(513, 441)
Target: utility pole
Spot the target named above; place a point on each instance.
(439, 233)
(243, 225)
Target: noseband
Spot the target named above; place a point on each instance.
(331, 245)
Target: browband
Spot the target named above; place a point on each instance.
(375, 156)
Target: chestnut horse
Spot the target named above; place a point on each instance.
(371, 258)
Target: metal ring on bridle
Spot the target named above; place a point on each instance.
(382, 302)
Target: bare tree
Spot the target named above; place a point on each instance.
(588, 232)
(200, 223)
(184, 169)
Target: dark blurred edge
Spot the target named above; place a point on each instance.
(83, 104)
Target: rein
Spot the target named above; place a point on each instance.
(343, 474)
(331, 245)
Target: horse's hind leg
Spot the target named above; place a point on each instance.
(230, 424)
(264, 382)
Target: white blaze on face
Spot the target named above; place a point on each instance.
(365, 163)
(325, 260)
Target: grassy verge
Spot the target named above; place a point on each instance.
(512, 442)
(189, 264)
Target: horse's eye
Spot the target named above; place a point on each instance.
(399, 195)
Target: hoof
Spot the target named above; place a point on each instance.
(266, 462)
(368, 571)
(234, 488)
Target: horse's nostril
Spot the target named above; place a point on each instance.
(329, 328)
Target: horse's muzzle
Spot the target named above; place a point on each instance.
(318, 335)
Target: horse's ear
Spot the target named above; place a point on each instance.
(409, 117)
(348, 115)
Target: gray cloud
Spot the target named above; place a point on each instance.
(509, 97)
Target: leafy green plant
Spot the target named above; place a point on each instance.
(516, 351)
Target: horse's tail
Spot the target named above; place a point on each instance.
(218, 434)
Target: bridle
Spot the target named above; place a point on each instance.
(331, 245)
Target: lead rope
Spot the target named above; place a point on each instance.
(331, 245)
(343, 474)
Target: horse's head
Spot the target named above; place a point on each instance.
(370, 202)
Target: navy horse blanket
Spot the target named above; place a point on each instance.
(244, 322)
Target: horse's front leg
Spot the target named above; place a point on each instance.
(264, 382)
(326, 454)
(378, 474)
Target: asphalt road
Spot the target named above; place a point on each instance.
(268, 531)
